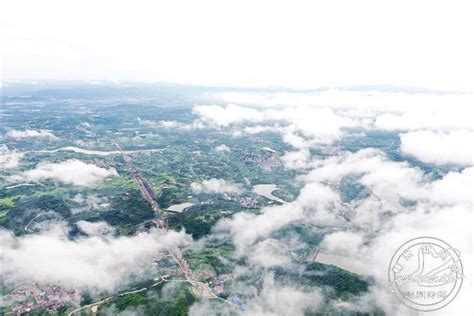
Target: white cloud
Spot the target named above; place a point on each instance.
(277, 299)
(295, 140)
(245, 228)
(443, 210)
(91, 202)
(364, 102)
(216, 186)
(382, 110)
(321, 125)
(222, 148)
(9, 158)
(455, 188)
(439, 148)
(169, 124)
(342, 243)
(386, 184)
(453, 225)
(320, 202)
(71, 171)
(226, 115)
(95, 228)
(259, 129)
(270, 253)
(296, 160)
(388, 180)
(30, 133)
(310, 119)
(93, 262)
(166, 124)
(269, 298)
(445, 119)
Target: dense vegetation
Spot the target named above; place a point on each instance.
(152, 302)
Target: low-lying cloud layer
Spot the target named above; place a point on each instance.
(169, 124)
(310, 119)
(396, 201)
(28, 133)
(439, 147)
(98, 261)
(222, 148)
(384, 110)
(71, 171)
(91, 202)
(372, 226)
(9, 158)
(320, 125)
(278, 299)
(216, 186)
(95, 228)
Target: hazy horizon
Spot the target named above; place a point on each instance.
(298, 45)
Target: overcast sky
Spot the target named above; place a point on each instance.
(245, 43)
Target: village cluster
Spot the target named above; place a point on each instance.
(29, 297)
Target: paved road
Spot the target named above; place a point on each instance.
(199, 289)
(111, 297)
